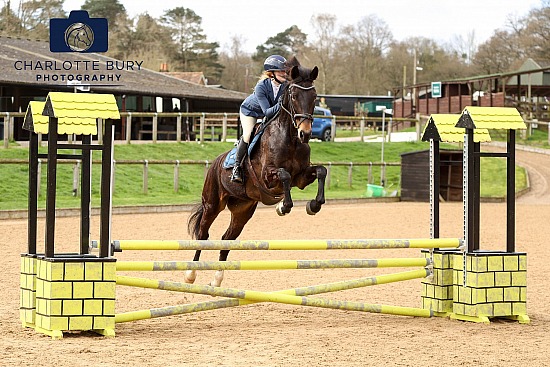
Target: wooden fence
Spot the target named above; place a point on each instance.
(145, 163)
(182, 126)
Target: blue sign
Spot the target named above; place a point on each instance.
(78, 33)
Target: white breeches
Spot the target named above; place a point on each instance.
(247, 122)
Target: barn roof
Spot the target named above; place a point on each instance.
(77, 113)
(26, 53)
(497, 118)
(441, 127)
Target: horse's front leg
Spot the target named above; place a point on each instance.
(286, 205)
(309, 175)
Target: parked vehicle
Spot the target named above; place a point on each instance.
(322, 124)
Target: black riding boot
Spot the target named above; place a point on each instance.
(237, 175)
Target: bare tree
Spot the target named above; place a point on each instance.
(323, 46)
(537, 38)
(240, 71)
(362, 50)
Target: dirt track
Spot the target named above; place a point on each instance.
(281, 335)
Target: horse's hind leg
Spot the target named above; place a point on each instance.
(241, 212)
(205, 216)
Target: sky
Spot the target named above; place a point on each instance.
(255, 21)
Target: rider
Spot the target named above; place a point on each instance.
(262, 103)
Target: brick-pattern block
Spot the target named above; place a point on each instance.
(437, 291)
(27, 300)
(496, 285)
(75, 294)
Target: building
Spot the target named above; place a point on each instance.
(527, 89)
(30, 71)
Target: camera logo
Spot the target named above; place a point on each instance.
(78, 33)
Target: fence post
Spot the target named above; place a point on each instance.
(389, 129)
(206, 166)
(155, 127)
(39, 176)
(145, 175)
(178, 128)
(177, 176)
(328, 174)
(100, 131)
(362, 129)
(350, 174)
(369, 176)
(383, 175)
(129, 128)
(333, 128)
(224, 127)
(6, 130)
(113, 174)
(76, 178)
(201, 128)
(11, 125)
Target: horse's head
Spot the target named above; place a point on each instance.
(300, 97)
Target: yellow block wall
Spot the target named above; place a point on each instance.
(437, 292)
(496, 284)
(75, 295)
(27, 300)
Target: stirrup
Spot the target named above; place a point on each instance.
(236, 175)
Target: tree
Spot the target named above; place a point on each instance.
(499, 53)
(239, 69)
(362, 49)
(150, 42)
(192, 52)
(10, 24)
(35, 16)
(323, 46)
(464, 47)
(537, 32)
(110, 9)
(290, 42)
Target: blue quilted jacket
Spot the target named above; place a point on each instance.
(261, 103)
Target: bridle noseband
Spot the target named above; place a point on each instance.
(292, 112)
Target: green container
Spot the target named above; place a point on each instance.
(375, 191)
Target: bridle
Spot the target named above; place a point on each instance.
(292, 113)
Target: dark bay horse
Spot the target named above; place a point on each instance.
(281, 161)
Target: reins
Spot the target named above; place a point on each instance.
(292, 114)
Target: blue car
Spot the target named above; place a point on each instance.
(322, 124)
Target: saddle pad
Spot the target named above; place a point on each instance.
(229, 161)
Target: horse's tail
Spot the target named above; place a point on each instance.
(193, 224)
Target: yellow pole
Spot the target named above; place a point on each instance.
(286, 244)
(269, 264)
(303, 291)
(258, 296)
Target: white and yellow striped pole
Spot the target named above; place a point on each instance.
(270, 264)
(351, 244)
(290, 296)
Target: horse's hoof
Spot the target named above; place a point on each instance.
(189, 276)
(218, 278)
(279, 209)
(313, 207)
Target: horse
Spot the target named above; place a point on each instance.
(280, 162)
(77, 38)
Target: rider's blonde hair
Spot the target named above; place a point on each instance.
(267, 75)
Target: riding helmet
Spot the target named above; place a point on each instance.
(274, 62)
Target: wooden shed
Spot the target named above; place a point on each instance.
(415, 175)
